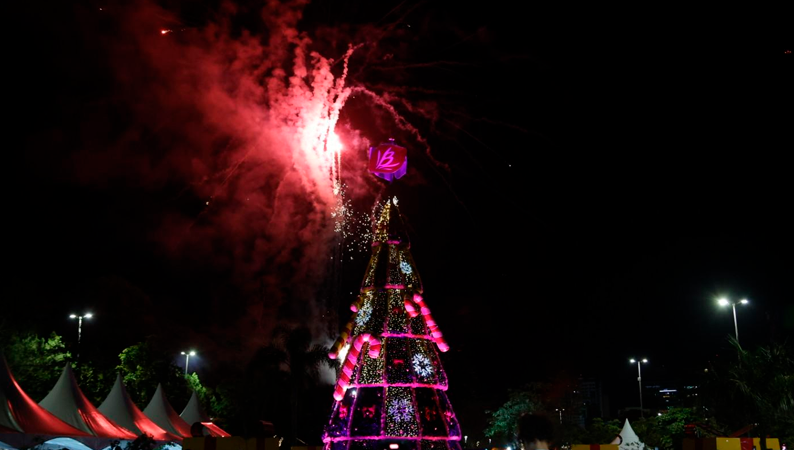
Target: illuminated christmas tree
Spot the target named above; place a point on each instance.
(391, 392)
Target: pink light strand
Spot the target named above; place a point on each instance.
(440, 387)
(347, 369)
(374, 347)
(431, 324)
(407, 335)
(382, 437)
(409, 306)
(350, 362)
(356, 305)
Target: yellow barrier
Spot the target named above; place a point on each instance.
(595, 447)
(724, 443)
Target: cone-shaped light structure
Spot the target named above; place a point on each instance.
(391, 391)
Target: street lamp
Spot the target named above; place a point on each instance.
(187, 358)
(80, 328)
(639, 381)
(560, 411)
(726, 302)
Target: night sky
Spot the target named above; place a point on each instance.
(582, 184)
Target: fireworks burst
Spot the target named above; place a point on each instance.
(342, 212)
(354, 227)
(251, 126)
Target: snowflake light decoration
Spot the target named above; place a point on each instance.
(422, 365)
(364, 314)
(405, 267)
(401, 410)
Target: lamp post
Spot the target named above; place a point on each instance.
(726, 302)
(187, 358)
(560, 410)
(80, 328)
(639, 380)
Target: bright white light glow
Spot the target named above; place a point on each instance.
(72, 316)
(723, 302)
(343, 353)
(88, 316)
(333, 143)
(743, 301)
(394, 446)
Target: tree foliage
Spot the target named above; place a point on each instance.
(204, 394)
(95, 380)
(502, 422)
(755, 387)
(143, 366)
(667, 430)
(35, 361)
(599, 431)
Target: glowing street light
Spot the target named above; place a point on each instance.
(187, 358)
(560, 410)
(80, 328)
(726, 302)
(639, 380)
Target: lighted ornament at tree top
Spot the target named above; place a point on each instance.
(388, 160)
(391, 392)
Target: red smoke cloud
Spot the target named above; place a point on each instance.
(239, 123)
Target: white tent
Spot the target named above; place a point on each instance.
(163, 414)
(628, 439)
(67, 402)
(20, 414)
(119, 407)
(194, 413)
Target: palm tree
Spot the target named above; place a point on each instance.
(757, 388)
(299, 361)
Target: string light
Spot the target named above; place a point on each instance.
(364, 314)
